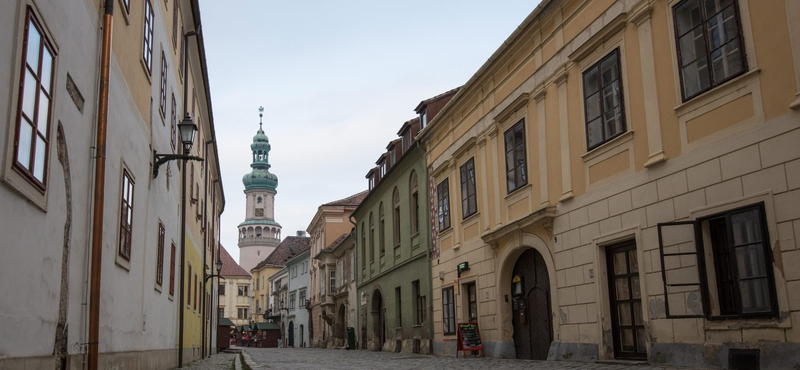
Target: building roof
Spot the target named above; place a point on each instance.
(393, 143)
(229, 266)
(353, 200)
(435, 98)
(224, 321)
(289, 247)
(406, 125)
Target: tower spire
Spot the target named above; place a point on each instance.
(260, 116)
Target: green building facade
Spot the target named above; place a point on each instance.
(393, 238)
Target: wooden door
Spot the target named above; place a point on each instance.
(626, 301)
(533, 324)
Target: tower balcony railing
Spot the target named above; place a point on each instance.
(257, 240)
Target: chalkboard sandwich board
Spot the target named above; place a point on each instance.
(469, 338)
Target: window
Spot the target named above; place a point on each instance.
(242, 313)
(244, 290)
(352, 266)
(419, 302)
(448, 311)
(414, 204)
(398, 298)
(147, 42)
(173, 119)
(220, 310)
(196, 296)
(163, 100)
(302, 297)
(443, 195)
(259, 200)
(363, 244)
(469, 200)
(291, 301)
(516, 173)
(126, 216)
(396, 218)
(602, 94)
(258, 284)
(175, 25)
(472, 302)
(707, 32)
(381, 230)
(160, 255)
(371, 239)
(737, 281)
(332, 284)
(423, 117)
(35, 102)
(172, 270)
(221, 289)
(189, 287)
(183, 54)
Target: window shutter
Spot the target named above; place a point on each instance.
(683, 269)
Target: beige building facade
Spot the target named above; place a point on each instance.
(622, 179)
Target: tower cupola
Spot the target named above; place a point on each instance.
(260, 177)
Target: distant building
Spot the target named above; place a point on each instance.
(259, 234)
(340, 257)
(296, 318)
(234, 291)
(329, 223)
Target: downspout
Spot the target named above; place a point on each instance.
(183, 199)
(213, 260)
(99, 188)
(205, 252)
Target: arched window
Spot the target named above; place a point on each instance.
(371, 239)
(363, 244)
(381, 230)
(414, 207)
(259, 200)
(396, 218)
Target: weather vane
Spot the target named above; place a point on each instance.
(260, 115)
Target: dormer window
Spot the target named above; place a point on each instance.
(371, 182)
(423, 118)
(383, 169)
(406, 141)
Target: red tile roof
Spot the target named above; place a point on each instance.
(229, 266)
(352, 200)
(290, 247)
(437, 97)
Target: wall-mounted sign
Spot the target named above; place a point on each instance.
(463, 266)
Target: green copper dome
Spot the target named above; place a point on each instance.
(260, 177)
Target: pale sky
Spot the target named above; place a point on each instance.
(337, 79)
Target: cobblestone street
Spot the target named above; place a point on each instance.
(311, 358)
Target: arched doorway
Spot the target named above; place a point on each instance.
(340, 325)
(533, 325)
(378, 320)
(291, 334)
(302, 335)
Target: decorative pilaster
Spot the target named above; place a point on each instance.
(650, 90)
(540, 107)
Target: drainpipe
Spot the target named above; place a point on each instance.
(205, 252)
(99, 188)
(183, 198)
(213, 260)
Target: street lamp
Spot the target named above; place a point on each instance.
(218, 265)
(187, 129)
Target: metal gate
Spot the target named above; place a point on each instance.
(533, 324)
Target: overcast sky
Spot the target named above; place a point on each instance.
(337, 79)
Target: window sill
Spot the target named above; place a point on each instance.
(470, 217)
(518, 191)
(146, 71)
(122, 262)
(717, 92)
(740, 322)
(606, 147)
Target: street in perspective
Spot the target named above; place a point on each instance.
(356, 184)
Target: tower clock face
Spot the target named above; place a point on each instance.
(259, 212)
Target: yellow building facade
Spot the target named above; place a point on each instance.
(621, 179)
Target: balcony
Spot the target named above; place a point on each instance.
(258, 240)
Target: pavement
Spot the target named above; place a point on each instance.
(335, 359)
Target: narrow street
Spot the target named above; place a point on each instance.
(313, 358)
